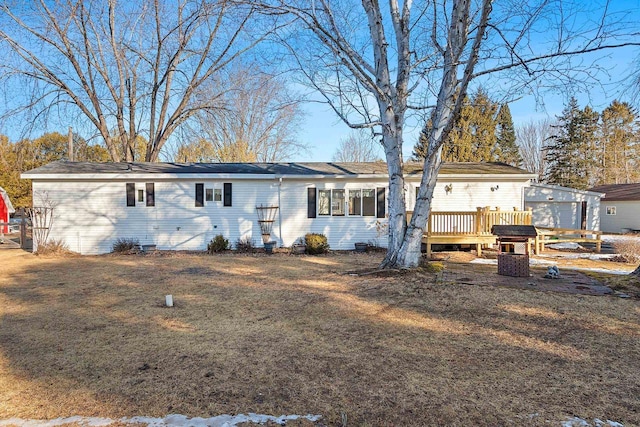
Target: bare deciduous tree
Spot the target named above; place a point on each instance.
(358, 146)
(533, 138)
(129, 69)
(256, 119)
(375, 64)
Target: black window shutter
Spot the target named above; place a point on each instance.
(131, 194)
(311, 202)
(227, 194)
(381, 204)
(151, 196)
(199, 195)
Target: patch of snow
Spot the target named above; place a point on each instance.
(612, 238)
(580, 422)
(564, 245)
(573, 255)
(484, 261)
(172, 420)
(532, 261)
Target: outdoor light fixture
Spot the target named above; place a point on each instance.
(495, 188)
(448, 188)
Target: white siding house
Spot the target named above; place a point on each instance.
(620, 207)
(563, 207)
(183, 206)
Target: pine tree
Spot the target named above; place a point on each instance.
(588, 126)
(571, 154)
(483, 126)
(617, 147)
(460, 147)
(473, 136)
(505, 149)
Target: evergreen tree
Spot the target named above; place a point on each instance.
(617, 146)
(483, 127)
(588, 127)
(505, 149)
(473, 136)
(460, 146)
(571, 154)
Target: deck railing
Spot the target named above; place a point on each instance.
(466, 223)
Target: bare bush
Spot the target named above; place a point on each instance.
(245, 244)
(53, 247)
(125, 245)
(629, 250)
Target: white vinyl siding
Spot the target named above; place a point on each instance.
(626, 216)
(556, 206)
(90, 215)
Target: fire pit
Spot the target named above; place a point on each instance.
(514, 261)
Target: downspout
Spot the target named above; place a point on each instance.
(280, 212)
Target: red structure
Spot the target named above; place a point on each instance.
(6, 208)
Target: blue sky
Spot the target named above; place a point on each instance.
(323, 130)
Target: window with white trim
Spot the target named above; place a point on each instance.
(611, 210)
(337, 202)
(355, 202)
(346, 202)
(324, 202)
(369, 202)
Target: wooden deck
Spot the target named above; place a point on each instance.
(469, 227)
(474, 228)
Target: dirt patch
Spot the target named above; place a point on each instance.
(298, 335)
(572, 282)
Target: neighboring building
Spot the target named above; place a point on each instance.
(620, 207)
(183, 206)
(6, 208)
(562, 207)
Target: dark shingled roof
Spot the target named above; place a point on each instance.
(304, 168)
(619, 191)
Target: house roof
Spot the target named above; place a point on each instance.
(619, 191)
(65, 169)
(590, 192)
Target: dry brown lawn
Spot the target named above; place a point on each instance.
(300, 335)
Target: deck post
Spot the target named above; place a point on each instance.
(598, 243)
(478, 220)
(536, 249)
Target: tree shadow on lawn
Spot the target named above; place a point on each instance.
(273, 335)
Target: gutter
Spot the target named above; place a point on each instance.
(202, 176)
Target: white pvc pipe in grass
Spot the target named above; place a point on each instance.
(168, 300)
